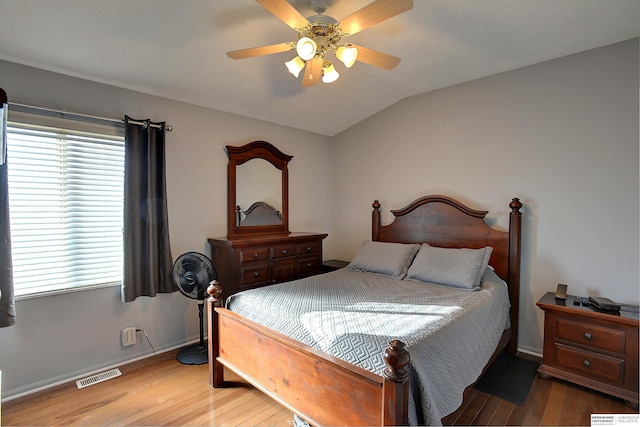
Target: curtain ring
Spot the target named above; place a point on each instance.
(145, 124)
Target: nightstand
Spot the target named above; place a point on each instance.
(593, 349)
(333, 265)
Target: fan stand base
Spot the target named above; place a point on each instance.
(193, 355)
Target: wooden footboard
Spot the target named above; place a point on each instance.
(321, 389)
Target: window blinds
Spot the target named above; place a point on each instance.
(65, 199)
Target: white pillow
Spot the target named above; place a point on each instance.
(460, 268)
(390, 259)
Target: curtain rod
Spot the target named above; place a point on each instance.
(168, 128)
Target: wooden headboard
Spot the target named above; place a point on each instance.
(444, 222)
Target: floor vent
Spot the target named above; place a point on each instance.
(95, 379)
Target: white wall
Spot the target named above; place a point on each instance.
(64, 336)
(560, 135)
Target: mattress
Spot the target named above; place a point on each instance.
(450, 333)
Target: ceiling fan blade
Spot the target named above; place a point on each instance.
(285, 12)
(374, 13)
(377, 59)
(259, 51)
(312, 72)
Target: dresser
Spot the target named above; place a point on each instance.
(590, 348)
(251, 262)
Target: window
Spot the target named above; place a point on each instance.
(65, 201)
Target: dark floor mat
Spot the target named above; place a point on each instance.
(509, 378)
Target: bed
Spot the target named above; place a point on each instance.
(353, 371)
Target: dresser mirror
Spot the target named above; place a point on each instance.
(258, 181)
(258, 190)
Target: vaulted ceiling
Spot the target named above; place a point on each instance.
(177, 49)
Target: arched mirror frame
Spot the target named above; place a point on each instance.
(241, 155)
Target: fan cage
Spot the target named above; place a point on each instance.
(204, 271)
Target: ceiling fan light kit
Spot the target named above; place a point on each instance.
(295, 66)
(347, 55)
(319, 34)
(329, 73)
(306, 48)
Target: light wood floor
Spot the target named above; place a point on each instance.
(161, 391)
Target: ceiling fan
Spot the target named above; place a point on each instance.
(320, 34)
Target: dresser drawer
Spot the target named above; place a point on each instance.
(593, 364)
(588, 334)
(308, 265)
(253, 254)
(283, 251)
(309, 248)
(253, 275)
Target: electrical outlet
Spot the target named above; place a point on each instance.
(128, 336)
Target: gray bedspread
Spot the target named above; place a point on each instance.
(450, 333)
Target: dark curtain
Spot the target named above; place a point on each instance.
(7, 301)
(147, 253)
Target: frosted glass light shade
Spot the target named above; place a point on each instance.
(306, 48)
(329, 74)
(347, 55)
(295, 66)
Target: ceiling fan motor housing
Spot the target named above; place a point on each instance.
(324, 30)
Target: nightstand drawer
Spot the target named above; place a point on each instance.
(593, 364)
(588, 334)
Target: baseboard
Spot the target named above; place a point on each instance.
(95, 371)
(534, 353)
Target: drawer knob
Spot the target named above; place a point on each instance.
(256, 274)
(308, 249)
(586, 363)
(587, 335)
(284, 252)
(255, 256)
(308, 265)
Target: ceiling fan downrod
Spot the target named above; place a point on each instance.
(320, 6)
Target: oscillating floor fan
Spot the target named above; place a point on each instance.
(192, 272)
